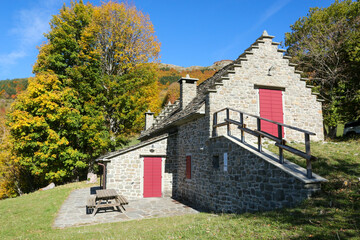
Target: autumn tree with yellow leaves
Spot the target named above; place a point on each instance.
(94, 79)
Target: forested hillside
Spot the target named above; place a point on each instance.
(9, 89)
(167, 77)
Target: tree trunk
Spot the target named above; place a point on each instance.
(331, 133)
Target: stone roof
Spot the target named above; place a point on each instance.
(110, 155)
(172, 113)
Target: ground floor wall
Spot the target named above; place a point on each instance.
(230, 178)
(125, 172)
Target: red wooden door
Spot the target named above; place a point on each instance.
(271, 107)
(152, 177)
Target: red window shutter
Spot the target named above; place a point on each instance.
(188, 167)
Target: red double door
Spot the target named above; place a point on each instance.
(152, 176)
(271, 107)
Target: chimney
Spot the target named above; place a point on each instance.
(149, 119)
(187, 90)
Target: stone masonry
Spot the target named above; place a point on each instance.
(125, 170)
(240, 90)
(249, 183)
(226, 175)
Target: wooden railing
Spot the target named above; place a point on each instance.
(279, 141)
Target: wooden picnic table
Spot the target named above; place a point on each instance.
(106, 198)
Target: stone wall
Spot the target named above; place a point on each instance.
(241, 91)
(251, 183)
(125, 171)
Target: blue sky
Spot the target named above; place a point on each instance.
(191, 33)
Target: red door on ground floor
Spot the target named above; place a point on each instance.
(271, 107)
(152, 177)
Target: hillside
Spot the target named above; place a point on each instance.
(168, 75)
(9, 89)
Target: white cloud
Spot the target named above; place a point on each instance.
(31, 26)
(272, 10)
(27, 31)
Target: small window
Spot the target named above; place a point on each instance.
(225, 162)
(188, 167)
(216, 162)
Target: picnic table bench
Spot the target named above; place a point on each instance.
(104, 199)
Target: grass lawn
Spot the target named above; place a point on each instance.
(332, 214)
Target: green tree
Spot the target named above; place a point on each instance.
(326, 44)
(47, 127)
(74, 110)
(128, 103)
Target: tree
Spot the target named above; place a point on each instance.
(9, 169)
(326, 45)
(46, 125)
(124, 37)
(125, 41)
(74, 109)
(128, 103)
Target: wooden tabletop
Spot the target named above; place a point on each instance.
(106, 193)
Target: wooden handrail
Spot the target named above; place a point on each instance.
(268, 120)
(279, 141)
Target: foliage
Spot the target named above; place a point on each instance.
(9, 89)
(9, 170)
(172, 93)
(168, 77)
(326, 45)
(332, 214)
(126, 104)
(91, 88)
(124, 37)
(47, 128)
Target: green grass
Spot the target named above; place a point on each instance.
(332, 214)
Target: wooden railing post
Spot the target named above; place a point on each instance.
(242, 125)
(259, 137)
(228, 123)
(281, 154)
(308, 153)
(214, 124)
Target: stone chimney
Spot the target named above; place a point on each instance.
(187, 90)
(149, 119)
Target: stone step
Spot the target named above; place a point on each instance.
(210, 90)
(230, 71)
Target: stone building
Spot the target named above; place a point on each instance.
(182, 155)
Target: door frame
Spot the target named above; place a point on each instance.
(282, 89)
(142, 157)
